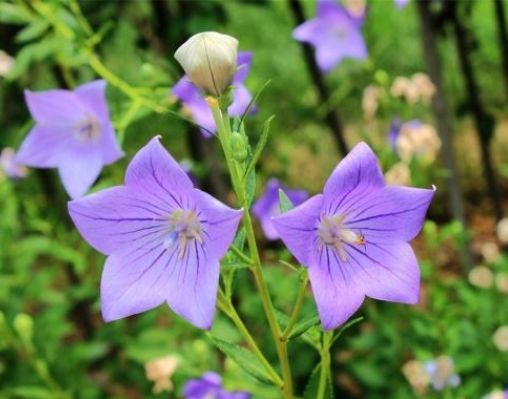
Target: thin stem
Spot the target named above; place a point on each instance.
(241, 255)
(302, 289)
(224, 133)
(227, 307)
(325, 365)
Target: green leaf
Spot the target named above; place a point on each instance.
(345, 327)
(311, 389)
(12, 14)
(303, 326)
(243, 357)
(284, 202)
(32, 31)
(239, 241)
(250, 187)
(253, 101)
(260, 146)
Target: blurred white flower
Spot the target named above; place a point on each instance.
(209, 60)
(490, 251)
(370, 101)
(6, 63)
(356, 7)
(398, 175)
(160, 370)
(502, 283)
(502, 230)
(417, 376)
(481, 277)
(500, 338)
(498, 394)
(418, 140)
(441, 373)
(400, 86)
(424, 87)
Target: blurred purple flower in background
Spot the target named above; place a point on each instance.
(354, 238)
(394, 131)
(194, 102)
(163, 238)
(334, 33)
(441, 373)
(8, 165)
(209, 386)
(73, 133)
(401, 3)
(268, 206)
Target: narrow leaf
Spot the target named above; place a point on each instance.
(285, 203)
(345, 327)
(260, 146)
(253, 101)
(304, 325)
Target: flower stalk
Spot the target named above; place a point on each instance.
(325, 364)
(224, 133)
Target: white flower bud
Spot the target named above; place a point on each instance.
(209, 60)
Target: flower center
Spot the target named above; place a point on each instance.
(332, 232)
(89, 130)
(183, 226)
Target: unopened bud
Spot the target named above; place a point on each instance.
(239, 145)
(209, 60)
(23, 324)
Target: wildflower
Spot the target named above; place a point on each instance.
(401, 3)
(209, 60)
(8, 165)
(195, 104)
(490, 251)
(481, 277)
(353, 238)
(163, 238)
(267, 205)
(416, 139)
(160, 371)
(210, 386)
(6, 63)
(73, 133)
(398, 175)
(502, 230)
(497, 394)
(417, 376)
(500, 338)
(502, 283)
(424, 86)
(441, 373)
(370, 101)
(334, 33)
(399, 86)
(356, 8)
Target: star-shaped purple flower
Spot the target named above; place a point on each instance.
(73, 133)
(354, 238)
(268, 206)
(210, 386)
(163, 237)
(194, 102)
(334, 33)
(8, 165)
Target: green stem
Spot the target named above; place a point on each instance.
(224, 133)
(242, 256)
(302, 289)
(227, 307)
(325, 364)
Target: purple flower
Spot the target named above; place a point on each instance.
(401, 3)
(194, 102)
(396, 127)
(353, 238)
(8, 164)
(73, 133)
(163, 238)
(210, 386)
(334, 33)
(267, 205)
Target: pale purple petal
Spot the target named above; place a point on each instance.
(241, 99)
(209, 384)
(155, 174)
(401, 3)
(10, 166)
(192, 285)
(78, 171)
(391, 213)
(244, 62)
(298, 228)
(335, 290)
(218, 222)
(310, 31)
(357, 175)
(44, 146)
(387, 272)
(117, 218)
(55, 107)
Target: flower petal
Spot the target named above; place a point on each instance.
(241, 100)
(388, 272)
(55, 107)
(335, 290)
(218, 222)
(298, 228)
(311, 31)
(358, 174)
(155, 173)
(244, 62)
(79, 171)
(118, 218)
(44, 146)
(392, 213)
(193, 282)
